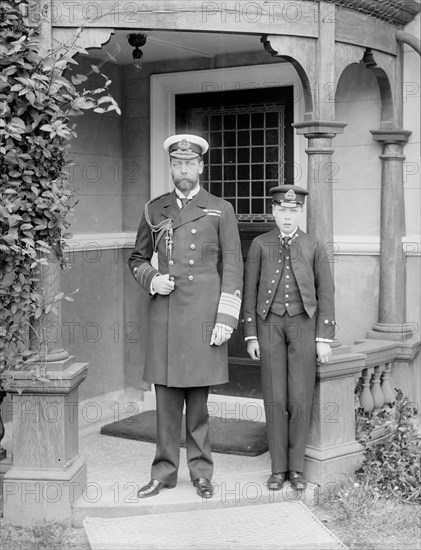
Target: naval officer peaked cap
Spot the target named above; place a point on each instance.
(289, 195)
(185, 146)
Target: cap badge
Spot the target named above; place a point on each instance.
(290, 195)
(184, 145)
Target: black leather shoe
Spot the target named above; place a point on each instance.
(204, 487)
(298, 481)
(276, 481)
(151, 489)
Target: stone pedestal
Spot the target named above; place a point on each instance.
(406, 370)
(332, 453)
(47, 474)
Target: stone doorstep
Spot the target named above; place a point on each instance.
(110, 500)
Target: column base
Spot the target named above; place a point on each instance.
(334, 464)
(36, 496)
(391, 331)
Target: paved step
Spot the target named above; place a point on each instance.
(277, 526)
(118, 499)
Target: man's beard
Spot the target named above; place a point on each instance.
(186, 184)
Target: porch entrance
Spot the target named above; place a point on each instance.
(250, 138)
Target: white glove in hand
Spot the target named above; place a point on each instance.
(161, 284)
(221, 333)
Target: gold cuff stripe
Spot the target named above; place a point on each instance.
(229, 304)
(142, 273)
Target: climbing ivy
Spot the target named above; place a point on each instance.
(39, 96)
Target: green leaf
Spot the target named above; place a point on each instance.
(78, 79)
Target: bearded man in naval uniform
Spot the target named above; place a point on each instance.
(194, 308)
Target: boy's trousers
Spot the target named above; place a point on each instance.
(288, 362)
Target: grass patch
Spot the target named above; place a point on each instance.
(45, 536)
(363, 522)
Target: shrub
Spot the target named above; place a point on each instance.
(391, 469)
(38, 100)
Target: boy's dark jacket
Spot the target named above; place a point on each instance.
(311, 268)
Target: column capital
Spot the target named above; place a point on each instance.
(317, 127)
(397, 135)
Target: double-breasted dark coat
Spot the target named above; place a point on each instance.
(207, 268)
(311, 268)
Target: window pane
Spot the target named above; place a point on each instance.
(229, 139)
(215, 156)
(257, 154)
(272, 154)
(257, 206)
(243, 189)
(271, 120)
(243, 155)
(269, 186)
(229, 189)
(257, 120)
(257, 137)
(243, 121)
(271, 137)
(243, 138)
(216, 188)
(229, 156)
(243, 206)
(257, 189)
(229, 172)
(257, 171)
(243, 171)
(215, 139)
(271, 171)
(216, 173)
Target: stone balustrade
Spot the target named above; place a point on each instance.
(384, 371)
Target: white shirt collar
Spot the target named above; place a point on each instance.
(290, 235)
(192, 193)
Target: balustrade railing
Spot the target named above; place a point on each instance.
(377, 377)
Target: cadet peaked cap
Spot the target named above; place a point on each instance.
(185, 146)
(289, 195)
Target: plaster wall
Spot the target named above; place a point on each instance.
(97, 156)
(356, 184)
(411, 121)
(356, 296)
(93, 326)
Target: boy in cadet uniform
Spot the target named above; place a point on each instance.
(193, 310)
(288, 308)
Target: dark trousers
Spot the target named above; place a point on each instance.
(169, 412)
(288, 359)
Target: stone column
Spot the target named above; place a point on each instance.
(321, 171)
(391, 316)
